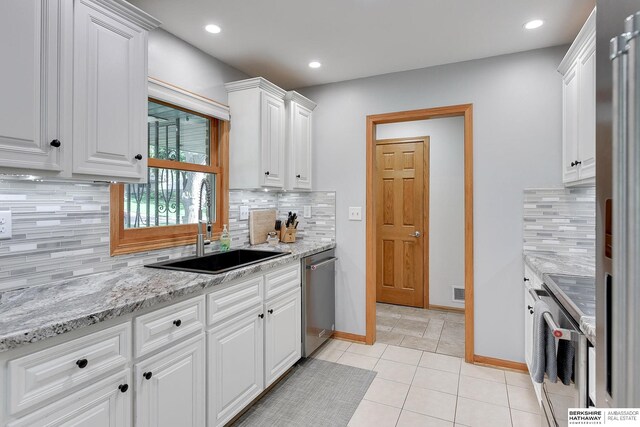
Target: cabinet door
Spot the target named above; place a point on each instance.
(32, 101)
(570, 125)
(106, 403)
(235, 363)
(283, 338)
(587, 111)
(301, 146)
(171, 388)
(272, 116)
(110, 95)
(528, 327)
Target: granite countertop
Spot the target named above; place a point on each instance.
(544, 264)
(36, 313)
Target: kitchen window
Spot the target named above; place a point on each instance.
(184, 148)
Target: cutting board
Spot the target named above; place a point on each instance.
(261, 222)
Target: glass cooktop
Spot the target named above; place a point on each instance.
(576, 293)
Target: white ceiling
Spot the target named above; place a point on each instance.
(276, 39)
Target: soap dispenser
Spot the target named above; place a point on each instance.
(225, 239)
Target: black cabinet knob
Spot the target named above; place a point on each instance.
(147, 375)
(261, 315)
(267, 173)
(270, 311)
(529, 307)
(575, 163)
(123, 387)
(177, 322)
(526, 279)
(138, 157)
(530, 311)
(298, 176)
(82, 363)
(55, 143)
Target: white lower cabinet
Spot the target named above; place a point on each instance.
(529, 301)
(170, 386)
(282, 335)
(236, 370)
(106, 403)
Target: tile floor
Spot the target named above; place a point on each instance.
(422, 388)
(427, 330)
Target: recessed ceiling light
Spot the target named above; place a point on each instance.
(213, 29)
(315, 64)
(533, 24)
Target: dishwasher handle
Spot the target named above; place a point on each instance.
(314, 267)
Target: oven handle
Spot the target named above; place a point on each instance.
(558, 332)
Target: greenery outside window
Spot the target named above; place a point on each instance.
(184, 148)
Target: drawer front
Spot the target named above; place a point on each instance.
(234, 299)
(47, 373)
(282, 280)
(170, 324)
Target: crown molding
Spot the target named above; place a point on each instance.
(587, 31)
(300, 99)
(256, 82)
(127, 11)
(175, 95)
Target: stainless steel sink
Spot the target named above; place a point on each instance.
(218, 262)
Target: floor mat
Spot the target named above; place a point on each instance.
(316, 393)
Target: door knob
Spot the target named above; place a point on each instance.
(416, 234)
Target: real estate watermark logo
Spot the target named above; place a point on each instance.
(599, 417)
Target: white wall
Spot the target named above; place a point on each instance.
(177, 62)
(517, 144)
(446, 201)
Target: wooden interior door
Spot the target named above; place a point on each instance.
(401, 218)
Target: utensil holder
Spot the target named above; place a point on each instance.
(288, 235)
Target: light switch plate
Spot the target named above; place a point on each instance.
(355, 213)
(307, 211)
(244, 212)
(5, 225)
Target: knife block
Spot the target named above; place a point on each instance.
(288, 235)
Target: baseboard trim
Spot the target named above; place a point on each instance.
(445, 308)
(346, 336)
(500, 363)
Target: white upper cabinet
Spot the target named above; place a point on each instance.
(299, 136)
(109, 92)
(578, 69)
(74, 94)
(34, 37)
(257, 134)
(270, 137)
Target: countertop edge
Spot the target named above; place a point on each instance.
(200, 282)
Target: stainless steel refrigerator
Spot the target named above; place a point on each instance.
(618, 204)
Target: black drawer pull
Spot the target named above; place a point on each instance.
(526, 279)
(147, 375)
(267, 173)
(82, 363)
(138, 157)
(123, 387)
(298, 176)
(55, 143)
(261, 315)
(177, 323)
(270, 311)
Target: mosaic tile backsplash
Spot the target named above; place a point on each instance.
(560, 220)
(61, 229)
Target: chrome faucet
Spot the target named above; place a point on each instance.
(204, 227)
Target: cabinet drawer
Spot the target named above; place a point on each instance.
(282, 280)
(234, 299)
(47, 373)
(170, 324)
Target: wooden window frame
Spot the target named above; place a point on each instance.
(132, 240)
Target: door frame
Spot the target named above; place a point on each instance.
(426, 159)
(466, 111)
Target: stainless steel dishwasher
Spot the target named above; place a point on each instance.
(318, 300)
